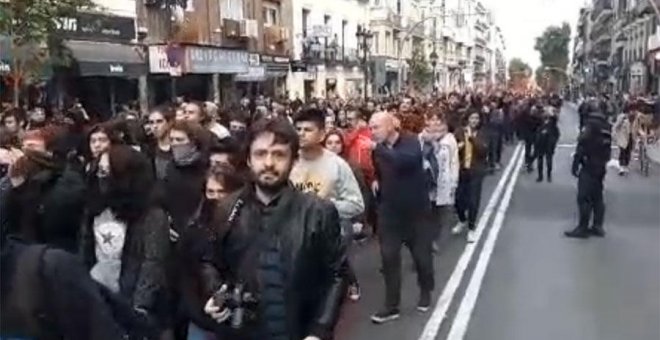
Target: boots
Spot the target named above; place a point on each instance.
(597, 231)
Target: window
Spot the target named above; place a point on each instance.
(344, 23)
(388, 37)
(271, 13)
(231, 9)
(305, 17)
(376, 43)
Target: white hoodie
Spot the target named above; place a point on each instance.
(448, 166)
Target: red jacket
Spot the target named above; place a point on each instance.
(358, 150)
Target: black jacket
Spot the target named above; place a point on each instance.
(142, 281)
(594, 147)
(47, 293)
(547, 136)
(479, 152)
(313, 255)
(47, 208)
(401, 177)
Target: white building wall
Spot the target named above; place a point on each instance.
(124, 8)
(354, 13)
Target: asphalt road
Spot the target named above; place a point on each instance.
(524, 279)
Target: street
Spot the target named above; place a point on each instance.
(523, 279)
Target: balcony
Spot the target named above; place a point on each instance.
(602, 8)
(276, 40)
(479, 41)
(643, 7)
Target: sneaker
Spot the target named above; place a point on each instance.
(498, 166)
(385, 315)
(424, 302)
(471, 236)
(354, 292)
(458, 228)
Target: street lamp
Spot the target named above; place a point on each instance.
(433, 57)
(364, 38)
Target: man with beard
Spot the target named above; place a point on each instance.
(277, 268)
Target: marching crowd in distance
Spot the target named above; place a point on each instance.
(194, 222)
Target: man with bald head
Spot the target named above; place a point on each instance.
(403, 208)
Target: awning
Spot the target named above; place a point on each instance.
(107, 59)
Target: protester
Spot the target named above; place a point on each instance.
(473, 148)
(125, 240)
(274, 241)
(325, 174)
(546, 141)
(402, 209)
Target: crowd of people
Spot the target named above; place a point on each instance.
(193, 222)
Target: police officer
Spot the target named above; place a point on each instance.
(589, 166)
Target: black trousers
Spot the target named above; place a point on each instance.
(495, 147)
(414, 231)
(590, 200)
(624, 154)
(529, 150)
(548, 156)
(468, 196)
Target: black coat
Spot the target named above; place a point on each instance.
(182, 191)
(48, 294)
(142, 282)
(47, 208)
(547, 136)
(313, 255)
(479, 152)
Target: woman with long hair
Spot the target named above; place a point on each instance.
(221, 181)
(125, 239)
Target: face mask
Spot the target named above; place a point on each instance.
(184, 154)
(239, 135)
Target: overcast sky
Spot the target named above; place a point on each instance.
(522, 21)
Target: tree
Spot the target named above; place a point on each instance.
(519, 73)
(32, 27)
(420, 71)
(553, 47)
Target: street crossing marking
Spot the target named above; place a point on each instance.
(464, 313)
(444, 301)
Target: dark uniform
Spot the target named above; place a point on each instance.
(589, 166)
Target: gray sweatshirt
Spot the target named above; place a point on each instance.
(330, 177)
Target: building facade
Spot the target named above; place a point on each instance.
(613, 49)
(326, 59)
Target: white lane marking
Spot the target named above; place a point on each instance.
(573, 145)
(464, 313)
(442, 304)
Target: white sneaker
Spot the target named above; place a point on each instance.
(458, 228)
(471, 236)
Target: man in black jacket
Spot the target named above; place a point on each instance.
(589, 166)
(403, 209)
(277, 268)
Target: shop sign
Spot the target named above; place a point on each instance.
(216, 60)
(116, 68)
(268, 59)
(97, 27)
